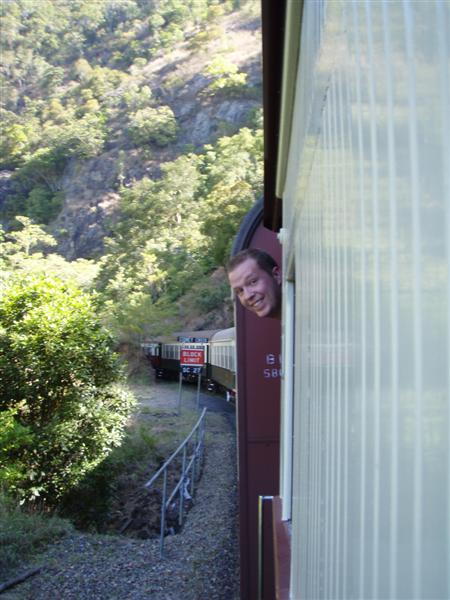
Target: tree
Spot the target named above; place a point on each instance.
(13, 143)
(26, 251)
(38, 178)
(228, 206)
(226, 77)
(27, 238)
(43, 205)
(57, 378)
(153, 125)
(14, 439)
(233, 182)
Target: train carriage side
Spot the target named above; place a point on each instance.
(152, 350)
(164, 356)
(170, 361)
(362, 172)
(222, 362)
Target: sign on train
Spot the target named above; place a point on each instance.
(192, 355)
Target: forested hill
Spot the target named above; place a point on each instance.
(131, 132)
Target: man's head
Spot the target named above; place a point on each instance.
(255, 278)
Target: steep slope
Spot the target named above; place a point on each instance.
(178, 80)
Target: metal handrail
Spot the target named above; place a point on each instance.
(192, 464)
(262, 500)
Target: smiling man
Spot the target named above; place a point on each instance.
(255, 278)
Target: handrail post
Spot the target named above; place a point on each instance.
(163, 515)
(199, 381)
(194, 470)
(197, 449)
(179, 393)
(202, 441)
(183, 474)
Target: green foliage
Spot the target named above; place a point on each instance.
(47, 35)
(22, 534)
(26, 251)
(231, 202)
(14, 439)
(40, 170)
(204, 36)
(13, 143)
(226, 77)
(101, 81)
(234, 176)
(153, 125)
(22, 241)
(44, 166)
(81, 138)
(89, 504)
(173, 230)
(75, 74)
(43, 205)
(157, 240)
(137, 97)
(208, 294)
(58, 373)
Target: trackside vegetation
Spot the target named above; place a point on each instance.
(115, 225)
(62, 410)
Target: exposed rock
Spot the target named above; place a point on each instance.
(176, 78)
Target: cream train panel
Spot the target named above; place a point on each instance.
(366, 210)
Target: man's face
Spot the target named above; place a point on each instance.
(256, 289)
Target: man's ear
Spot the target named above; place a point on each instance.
(276, 272)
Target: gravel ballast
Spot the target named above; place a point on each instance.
(200, 562)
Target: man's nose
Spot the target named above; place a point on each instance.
(247, 293)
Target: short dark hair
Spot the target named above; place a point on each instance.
(262, 258)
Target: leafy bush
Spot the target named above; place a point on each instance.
(136, 98)
(212, 296)
(90, 503)
(81, 138)
(42, 167)
(58, 375)
(14, 437)
(204, 36)
(42, 205)
(225, 76)
(13, 143)
(153, 125)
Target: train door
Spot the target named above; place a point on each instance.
(258, 346)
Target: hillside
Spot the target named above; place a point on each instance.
(177, 78)
(177, 81)
(131, 132)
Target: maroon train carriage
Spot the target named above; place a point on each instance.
(152, 351)
(164, 358)
(219, 370)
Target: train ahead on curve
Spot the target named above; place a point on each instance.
(217, 347)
